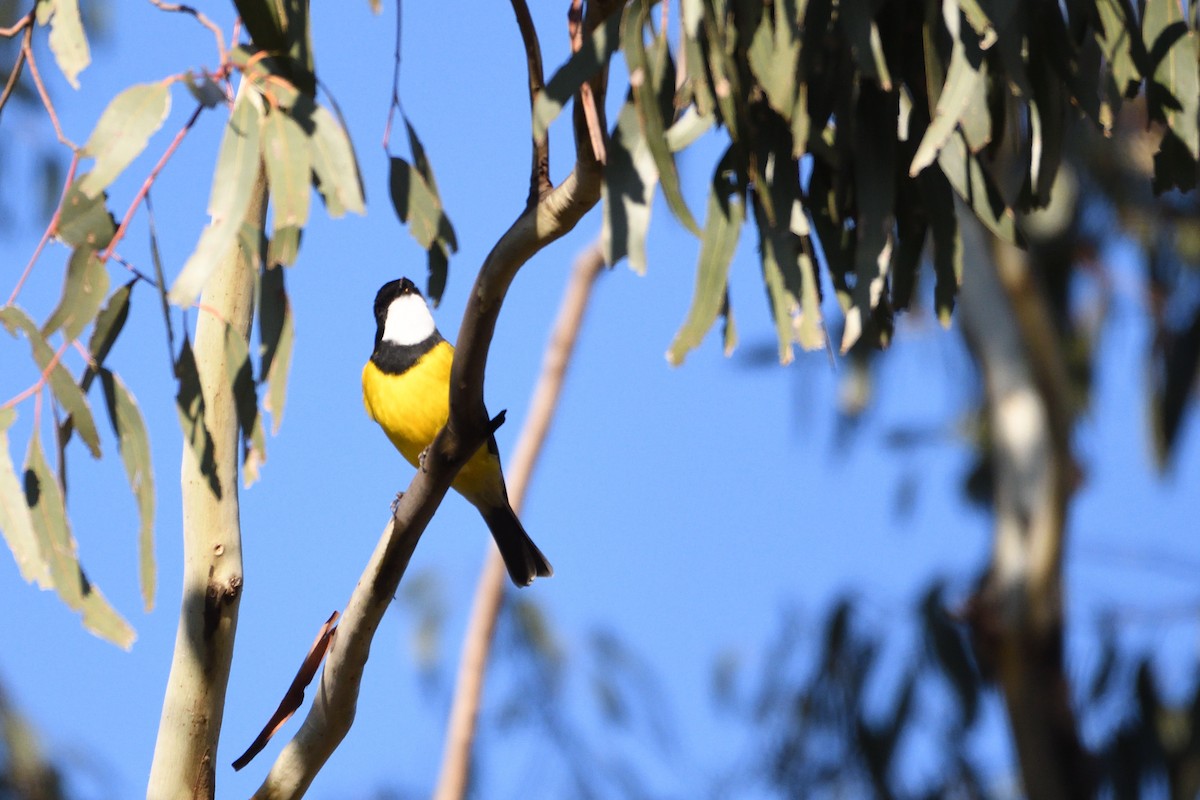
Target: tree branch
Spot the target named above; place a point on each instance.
(489, 592)
(539, 171)
(332, 712)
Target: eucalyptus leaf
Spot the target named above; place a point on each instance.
(233, 183)
(68, 42)
(84, 287)
(285, 153)
(62, 385)
(582, 65)
(123, 131)
(722, 226)
(134, 444)
(16, 521)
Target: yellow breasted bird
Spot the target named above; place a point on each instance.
(406, 389)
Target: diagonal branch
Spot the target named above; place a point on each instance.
(539, 171)
(553, 215)
(489, 592)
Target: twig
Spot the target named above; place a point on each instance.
(539, 174)
(41, 381)
(42, 93)
(203, 20)
(15, 74)
(489, 592)
(394, 105)
(37, 252)
(25, 23)
(146, 184)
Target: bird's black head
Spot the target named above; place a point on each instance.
(389, 292)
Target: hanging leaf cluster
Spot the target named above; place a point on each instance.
(853, 129)
(275, 129)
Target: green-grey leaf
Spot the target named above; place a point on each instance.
(240, 373)
(276, 334)
(578, 68)
(286, 152)
(627, 193)
(648, 80)
(856, 18)
(123, 132)
(189, 402)
(335, 169)
(726, 213)
(875, 188)
(48, 511)
(233, 183)
(84, 288)
(1174, 91)
(110, 322)
(690, 126)
(965, 79)
(973, 184)
(134, 444)
(62, 385)
(439, 269)
(415, 204)
(773, 55)
(85, 220)
(284, 247)
(809, 329)
(16, 522)
(68, 41)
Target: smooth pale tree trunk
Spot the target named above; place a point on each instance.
(190, 727)
(1017, 612)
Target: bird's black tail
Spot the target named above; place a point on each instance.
(524, 561)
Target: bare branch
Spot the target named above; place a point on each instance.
(555, 213)
(18, 67)
(489, 592)
(539, 174)
(203, 20)
(43, 94)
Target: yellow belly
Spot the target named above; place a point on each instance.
(413, 406)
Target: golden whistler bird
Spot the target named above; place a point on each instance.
(406, 389)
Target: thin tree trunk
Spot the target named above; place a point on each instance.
(1017, 612)
(185, 753)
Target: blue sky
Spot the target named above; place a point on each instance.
(683, 508)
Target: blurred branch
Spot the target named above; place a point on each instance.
(1016, 614)
(489, 592)
(329, 719)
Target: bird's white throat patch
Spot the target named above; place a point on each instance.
(408, 321)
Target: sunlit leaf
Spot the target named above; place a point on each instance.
(84, 288)
(233, 184)
(123, 131)
(335, 169)
(16, 522)
(965, 79)
(726, 213)
(285, 152)
(1173, 92)
(773, 55)
(67, 39)
(62, 385)
(652, 81)
(582, 65)
(134, 444)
